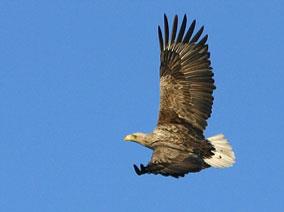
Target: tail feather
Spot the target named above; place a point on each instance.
(223, 156)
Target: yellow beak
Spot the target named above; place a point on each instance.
(128, 138)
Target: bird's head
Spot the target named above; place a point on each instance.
(140, 138)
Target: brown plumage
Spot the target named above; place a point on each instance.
(186, 87)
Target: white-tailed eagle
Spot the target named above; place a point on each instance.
(186, 87)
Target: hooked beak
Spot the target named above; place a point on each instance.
(128, 138)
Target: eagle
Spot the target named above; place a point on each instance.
(186, 87)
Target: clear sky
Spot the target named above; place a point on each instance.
(77, 76)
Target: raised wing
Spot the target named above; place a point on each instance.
(186, 78)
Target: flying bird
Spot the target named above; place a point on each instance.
(186, 86)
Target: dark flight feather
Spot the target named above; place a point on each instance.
(166, 26)
(189, 32)
(160, 38)
(174, 29)
(197, 35)
(182, 29)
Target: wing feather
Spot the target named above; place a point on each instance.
(189, 32)
(197, 35)
(174, 29)
(160, 39)
(182, 29)
(166, 26)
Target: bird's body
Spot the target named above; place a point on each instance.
(186, 87)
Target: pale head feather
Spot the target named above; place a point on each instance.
(141, 138)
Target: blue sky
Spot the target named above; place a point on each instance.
(76, 76)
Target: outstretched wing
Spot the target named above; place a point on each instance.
(186, 78)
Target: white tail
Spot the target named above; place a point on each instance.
(223, 154)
